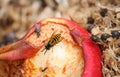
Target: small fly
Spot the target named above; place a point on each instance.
(44, 69)
(37, 29)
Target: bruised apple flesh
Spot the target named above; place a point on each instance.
(64, 59)
(53, 47)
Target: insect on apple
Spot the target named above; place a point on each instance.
(24, 49)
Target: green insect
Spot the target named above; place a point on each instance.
(54, 40)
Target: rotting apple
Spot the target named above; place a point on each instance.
(27, 48)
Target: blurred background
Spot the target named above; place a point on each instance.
(96, 16)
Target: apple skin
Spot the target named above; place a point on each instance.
(92, 53)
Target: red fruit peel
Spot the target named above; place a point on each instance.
(24, 49)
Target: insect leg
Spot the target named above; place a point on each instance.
(45, 51)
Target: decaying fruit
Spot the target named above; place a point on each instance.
(72, 54)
